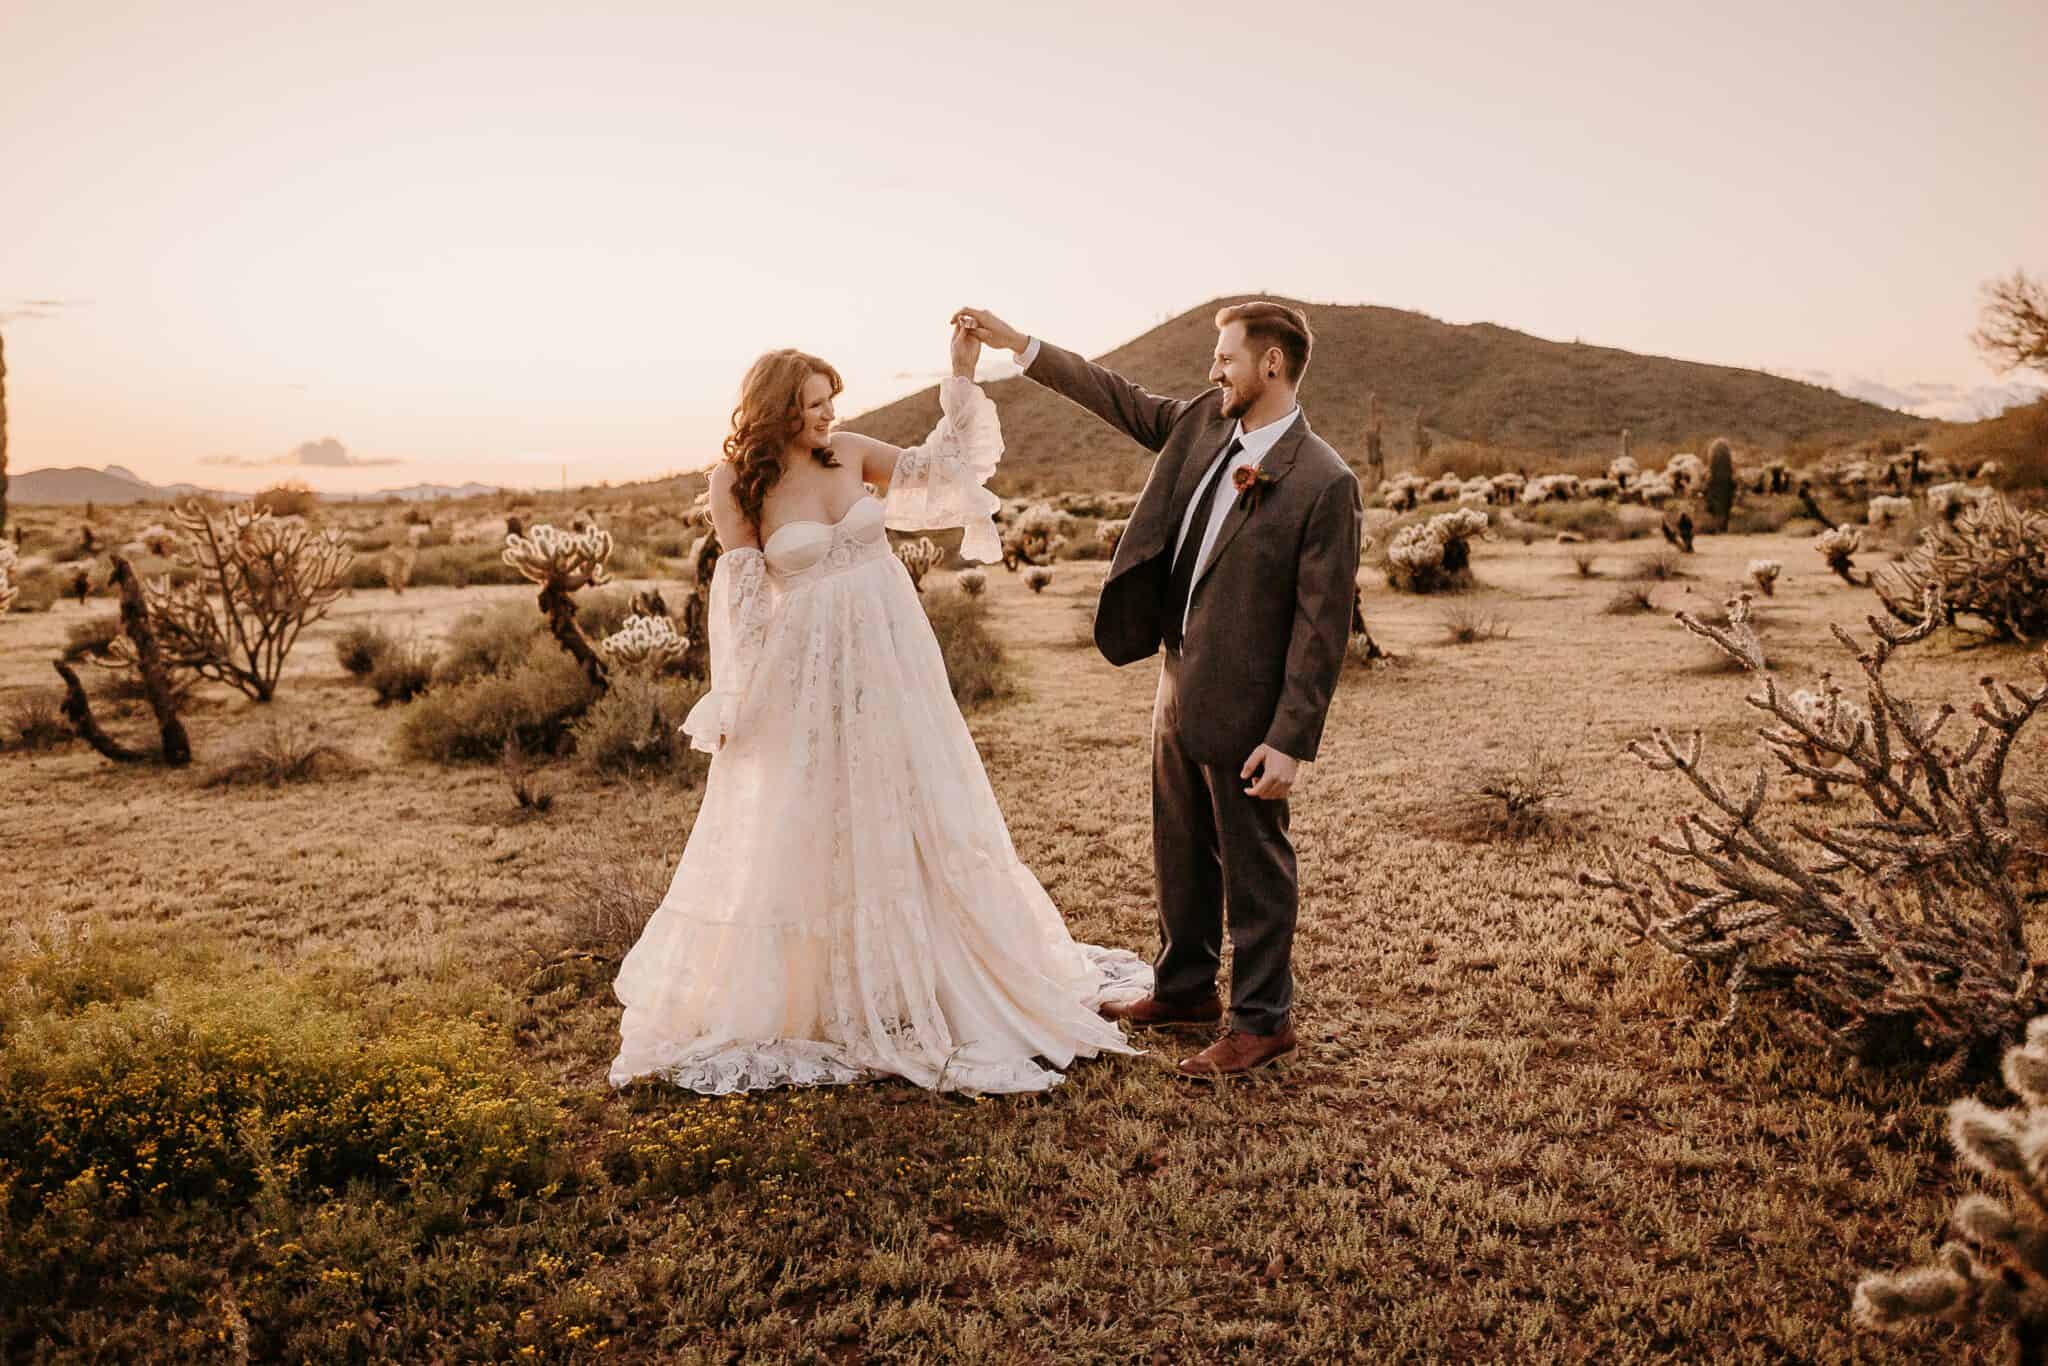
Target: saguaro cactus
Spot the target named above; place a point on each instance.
(1720, 483)
(1375, 450)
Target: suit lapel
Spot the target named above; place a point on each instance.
(1277, 462)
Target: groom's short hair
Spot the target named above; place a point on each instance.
(1269, 324)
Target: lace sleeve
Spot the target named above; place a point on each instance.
(736, 624)
(943, 482)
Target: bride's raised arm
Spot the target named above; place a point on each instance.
(942, 481)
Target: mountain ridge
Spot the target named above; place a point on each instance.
(1475, 384)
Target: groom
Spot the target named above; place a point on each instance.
(1239, 560)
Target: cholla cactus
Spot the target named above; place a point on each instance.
(1436, 554)
(1991, 563)
(1738, 639)
(1901, 929)
(649, 641)
(1403, 491)
(257, 582)
(9, 589)
(1995, 1272)
(919, 557)
(1654, 489)
(1764, 573)
(1442, 489)
(1622, 468)
(1836, 545)
(1036, 536)
(1884, 511)
(1111, 534)
(567, 560)
(973, 582)
(1686, 471)
(1037, 577)
(562, 562)
(1606, 490)
(1506, 488)
(396, 567)
(1947, 501)
(157, 539)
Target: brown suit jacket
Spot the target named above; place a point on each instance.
(1270, 613)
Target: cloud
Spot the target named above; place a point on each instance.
(326, 454)
(31, 310)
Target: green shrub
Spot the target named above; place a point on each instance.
(359, 647)
(531, 704)
(489, 641)
(975, 663)
(146, 1102)
(461, 566)
(1591, 518)
(633, 727)
(402, 672)
(1761, 513)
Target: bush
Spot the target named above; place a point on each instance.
(358, 648)
(207, 1087)
(975, 663)
(532, 704)
(1593, 520)
(489, 641)
(402, 672)
(633, 727)
(38, 722)
(285, 753)
(91, 636)
(291, 499)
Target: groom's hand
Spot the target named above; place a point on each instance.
(990, 330)
(1276, 772)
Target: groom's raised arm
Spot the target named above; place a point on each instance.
(1147, 418)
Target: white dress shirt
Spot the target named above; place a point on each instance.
(1256, 443)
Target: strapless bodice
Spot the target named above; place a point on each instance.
(805, 550)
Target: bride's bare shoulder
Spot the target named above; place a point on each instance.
(726, 517)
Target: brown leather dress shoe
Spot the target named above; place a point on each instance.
(1150, 1010)
(1239, 1052)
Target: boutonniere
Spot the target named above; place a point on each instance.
(1251, 483)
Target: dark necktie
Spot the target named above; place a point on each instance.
(1182, 580)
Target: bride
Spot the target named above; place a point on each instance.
(849, 902)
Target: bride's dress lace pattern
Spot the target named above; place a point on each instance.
(849, 902)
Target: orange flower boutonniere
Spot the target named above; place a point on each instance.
(1251, 483)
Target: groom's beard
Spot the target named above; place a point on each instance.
(1238, 402)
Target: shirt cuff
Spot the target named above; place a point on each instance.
(1028, 355)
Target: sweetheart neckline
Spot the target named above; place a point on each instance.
(812, 521)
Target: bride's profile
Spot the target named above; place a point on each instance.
(849, 902)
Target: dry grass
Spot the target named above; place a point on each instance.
(1508, 1133)
(287, 750)
(1468, 623)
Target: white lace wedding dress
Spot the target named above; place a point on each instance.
(849, 902)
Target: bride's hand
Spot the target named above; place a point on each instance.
(966, 350)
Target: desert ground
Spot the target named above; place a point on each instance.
(1511, 1132)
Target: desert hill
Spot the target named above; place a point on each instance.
(1488, 386)
(117, 484)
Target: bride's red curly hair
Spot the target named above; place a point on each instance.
(767, 418)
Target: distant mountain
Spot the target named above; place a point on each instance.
(80, 484)
(1530, 398)
(119, 484)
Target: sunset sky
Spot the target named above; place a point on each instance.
(381, 243)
